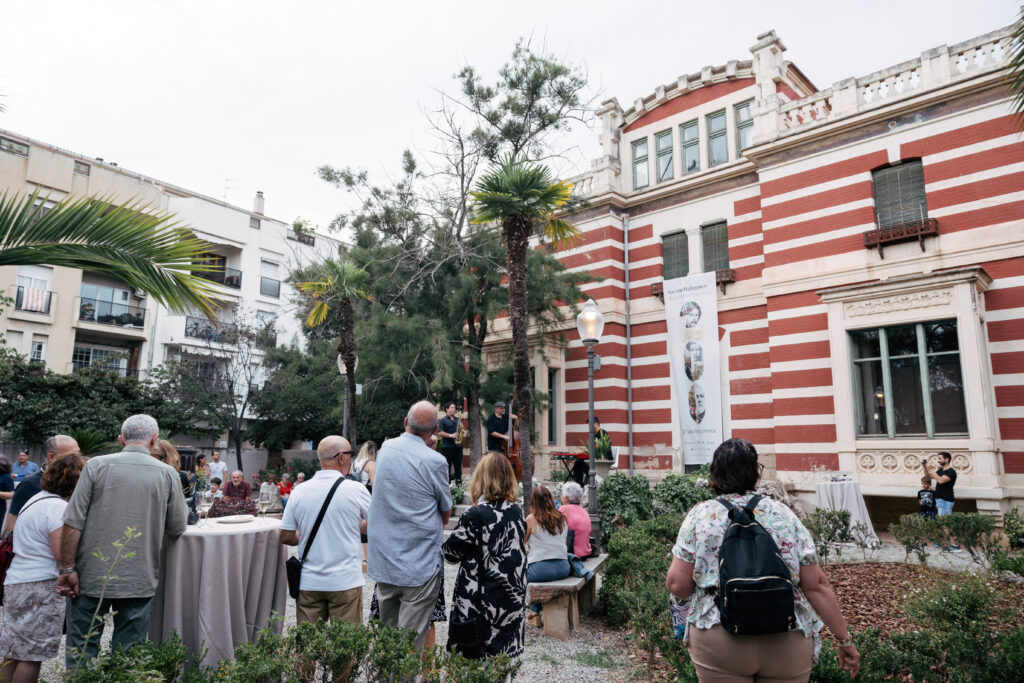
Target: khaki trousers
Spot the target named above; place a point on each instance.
(721, 657)
(344, 605)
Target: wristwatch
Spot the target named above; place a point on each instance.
(846, 643)
(66, 570)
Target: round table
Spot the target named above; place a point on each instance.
(219, 585)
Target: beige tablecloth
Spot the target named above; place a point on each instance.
(845, 495)
(219, 585)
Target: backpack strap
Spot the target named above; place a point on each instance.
(749, 507)
(728, 506)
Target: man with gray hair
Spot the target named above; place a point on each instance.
(60, 444)
(411, 504)
(115, 492)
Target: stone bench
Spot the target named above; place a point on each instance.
(564, 600)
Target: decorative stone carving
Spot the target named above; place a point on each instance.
(909, 461)
(899, 302)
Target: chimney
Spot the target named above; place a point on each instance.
(257, 204)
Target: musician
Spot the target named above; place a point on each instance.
(581, 468)
(447, 428)
(497, 428)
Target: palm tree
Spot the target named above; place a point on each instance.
(341, 284)
(1016, 68)
(523, 198)
(147, 251)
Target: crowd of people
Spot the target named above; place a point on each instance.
(380, 515)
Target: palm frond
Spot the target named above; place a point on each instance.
(149, 252)
(341, 281)
(318, 315)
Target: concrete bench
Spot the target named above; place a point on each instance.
(564, 600)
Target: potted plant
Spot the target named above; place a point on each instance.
(602, 453)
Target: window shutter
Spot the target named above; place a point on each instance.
(899, 195)
(675, 256)
(715, 240)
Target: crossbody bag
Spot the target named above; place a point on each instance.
(293, 566)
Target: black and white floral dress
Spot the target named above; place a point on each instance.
(489, 542)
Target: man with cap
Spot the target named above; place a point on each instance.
(497, 428)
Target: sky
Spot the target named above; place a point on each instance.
(228, 97)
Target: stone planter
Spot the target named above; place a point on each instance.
(603, 468)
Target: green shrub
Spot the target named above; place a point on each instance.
(146, 661)
(559, 475)
(680, 492)
(625, 500)
(1013, 527)
(974, 532)
(914, 532)
(1009, 562)
(960, 602)
(637, 556)
(829, 528)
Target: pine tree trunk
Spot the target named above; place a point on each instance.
(517, 242)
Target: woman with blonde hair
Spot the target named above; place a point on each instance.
(547, 534)
(165, 452)
(489, 601)
(364, 467)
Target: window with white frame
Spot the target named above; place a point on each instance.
(690, 142)
(675, 255)
(663, 150)
(640, 170)
(254, 222)
(270, 285)
(38, 351)
(14, 147)
(744, 125)
(81, 168)
(553, 406)
(107, 359)
(907, 380)
(718, 143)
(715, 243)
(33, 289)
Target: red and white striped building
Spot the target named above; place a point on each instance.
(840, 351)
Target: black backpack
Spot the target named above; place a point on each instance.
(755, 591)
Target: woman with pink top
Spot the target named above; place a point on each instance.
(577, 518)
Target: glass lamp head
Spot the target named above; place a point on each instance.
(590, 323)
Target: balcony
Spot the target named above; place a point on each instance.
(903, 227)
(110, 313)
(301, 237)
(229, 277)
(209, 330)
(270, 287)
(33, 300)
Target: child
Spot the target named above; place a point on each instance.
(215, 487)
(926, 496)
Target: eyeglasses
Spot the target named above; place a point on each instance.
(348, 452)
(760, 468)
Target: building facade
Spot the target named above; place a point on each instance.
(68, 319)
(868, 242)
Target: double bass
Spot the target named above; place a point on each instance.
(512, 445)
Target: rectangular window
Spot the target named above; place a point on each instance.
(663, 148)
(109, 306)
(908, 381)
(254, 222)
(675, 255)
(552, 406)
(38, 353)
(81, 168)
(690, 140)
(715, 241)
(33, 289)
(14, 147)
(640, 170)
(269, 284)
(718, 143)
(744, 125)
(103, 359)
(899, 195)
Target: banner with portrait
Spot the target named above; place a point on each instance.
(691, 311)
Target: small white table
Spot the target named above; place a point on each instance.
(846, 495)
(219, 585)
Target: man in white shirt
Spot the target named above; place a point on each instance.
(331, 586)
(217, 468)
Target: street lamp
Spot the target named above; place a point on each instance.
(590, 325)
(343, 373)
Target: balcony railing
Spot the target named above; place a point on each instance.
(208, 330)
(32, 300)
(302, 237)
(270, 287)
(229, 277)
(904, 225)
(111, 313)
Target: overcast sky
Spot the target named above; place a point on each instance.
(254, 95)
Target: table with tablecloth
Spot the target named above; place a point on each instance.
(846, 495)
(219, 585)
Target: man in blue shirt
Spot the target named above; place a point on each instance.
(23, 467)
(411, 504)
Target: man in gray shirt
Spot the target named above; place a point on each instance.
(411, 504)
(128, 489)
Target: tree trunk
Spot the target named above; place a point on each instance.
(474, 426)
(236, 437)
(517, 241)
(347, 351)
(477, 334)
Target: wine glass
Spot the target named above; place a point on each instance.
(205, 505)
(266, 497)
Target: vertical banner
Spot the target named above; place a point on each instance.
(691, 311)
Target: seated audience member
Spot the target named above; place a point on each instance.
(33, 611)
(215, 487)
(546, 531)
(6, 484)
(238, 487)
(299, 478)
(577, 518)
(284, 487)
(55, 446)
(23, 467)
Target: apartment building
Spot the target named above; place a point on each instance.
(867, 243)
(69, 319)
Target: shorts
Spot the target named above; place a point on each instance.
(944, 507)
(439, 613)
(33, 621)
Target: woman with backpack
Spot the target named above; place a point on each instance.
(749, 570)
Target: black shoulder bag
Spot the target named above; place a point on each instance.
(293, 566)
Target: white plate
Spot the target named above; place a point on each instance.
(235, 519)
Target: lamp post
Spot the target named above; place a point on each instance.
(590, 325)
(343, 373)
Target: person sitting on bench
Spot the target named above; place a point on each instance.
(548, 558)
(577, 518)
